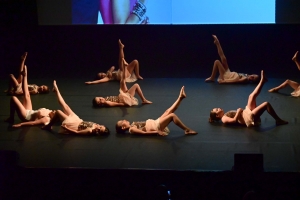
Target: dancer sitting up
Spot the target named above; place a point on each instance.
(15, 85)
(126, 96)
(251, 115)
(158, 126)
(24, 110)
(225, 75)
(132, 71)
(293, 84)
(71, 123)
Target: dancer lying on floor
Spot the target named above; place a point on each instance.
(71, 123)
(225, 75)
(250, 116)
(15, 85)
(126, 96)
(292, 84)
(132, 70)
(158, 126)
(24, 110)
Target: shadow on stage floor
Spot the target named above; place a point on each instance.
(212, 150)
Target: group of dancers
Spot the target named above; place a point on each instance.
(71, 123)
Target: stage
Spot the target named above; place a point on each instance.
(212, 149)
(140, 167)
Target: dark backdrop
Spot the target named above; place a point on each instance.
(163, 51)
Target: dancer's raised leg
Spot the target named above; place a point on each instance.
(286, 83)
(133, 89)
(66, 109)
(121, 56)
(295, 59)
(21, 69)
(136, 88)
(252, 97)
(123, 85)
(217, 67)
(258, 110)
(13, 81)
(221, 53)
(134, 66)
(16, 105)
(169, 115)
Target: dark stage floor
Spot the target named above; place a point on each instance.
(212, 149)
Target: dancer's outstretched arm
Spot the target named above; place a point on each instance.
(81, 132)
(134, 130)
(32, 123)
(103, 80)
(114, 104)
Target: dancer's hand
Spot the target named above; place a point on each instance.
(17, 125)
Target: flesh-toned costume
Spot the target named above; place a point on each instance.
(247, 117)
(149, 125)
(75, 123)
(33, 88)
(116, 75)
(233, 76)
(32, 115)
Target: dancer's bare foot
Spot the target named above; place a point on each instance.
(273, 90)
(10, 120)
(54, 86)
(263, 76)
(209, 80)
(295, 56)
(182, 94)
(120, 44)
(281, 122)
(190, 132)
(216, 40)
(23, 57)
(145, 101)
